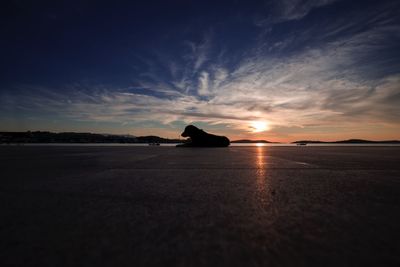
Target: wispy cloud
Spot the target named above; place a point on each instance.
(296, 9)
(285, 10)
(332, 79)
(199, 52)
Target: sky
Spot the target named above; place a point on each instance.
(279, 70)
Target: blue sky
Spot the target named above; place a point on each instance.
(279, 70)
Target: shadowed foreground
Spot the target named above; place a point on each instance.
(254, 206)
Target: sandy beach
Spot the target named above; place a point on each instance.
(236, 206)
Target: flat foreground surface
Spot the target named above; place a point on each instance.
(237, 206)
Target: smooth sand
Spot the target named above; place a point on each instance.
(237, 206)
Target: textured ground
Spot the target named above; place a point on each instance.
(237, 206)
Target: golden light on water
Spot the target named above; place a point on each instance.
(261, 175)
(260, 158)
(259, 126)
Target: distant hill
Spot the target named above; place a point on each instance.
(308, 142)
(72, 137)
(360, 141)
(156, 139)
(246, 141)
(349, 141)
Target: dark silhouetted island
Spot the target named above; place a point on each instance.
(72, 137)
(349, 141)
(247, 141)
(200, 138)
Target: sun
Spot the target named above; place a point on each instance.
(258, 126)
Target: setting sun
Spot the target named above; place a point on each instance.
(258, 126)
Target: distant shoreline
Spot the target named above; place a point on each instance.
(166, 145)
(40, 137)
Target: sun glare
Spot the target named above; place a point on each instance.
(258, 126)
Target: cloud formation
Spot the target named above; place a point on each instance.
(286, 10)
(330, 74)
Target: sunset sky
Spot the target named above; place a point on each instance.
(281, 70)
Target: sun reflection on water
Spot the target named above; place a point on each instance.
(260, 159)
(261, 174)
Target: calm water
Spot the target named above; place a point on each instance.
(172, 145)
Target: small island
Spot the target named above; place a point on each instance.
(73, 137)
(44, 137)
(247, 141)
(349, 141)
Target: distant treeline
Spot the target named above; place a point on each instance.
(71, 137)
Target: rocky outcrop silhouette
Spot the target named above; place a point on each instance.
(200, 138)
